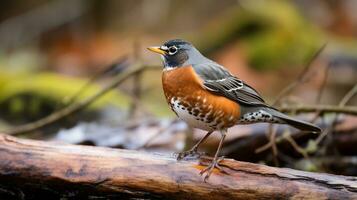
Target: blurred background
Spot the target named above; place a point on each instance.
(56, 53)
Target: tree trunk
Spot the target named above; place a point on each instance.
(32, 169)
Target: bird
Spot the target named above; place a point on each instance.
(207, 96)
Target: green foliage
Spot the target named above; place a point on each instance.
(273, 33)
(31, 94)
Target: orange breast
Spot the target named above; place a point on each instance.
(184, 86)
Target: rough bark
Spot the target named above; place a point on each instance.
(32, 169)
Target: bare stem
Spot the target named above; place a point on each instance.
(78, 106)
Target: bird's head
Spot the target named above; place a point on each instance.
(177, 53)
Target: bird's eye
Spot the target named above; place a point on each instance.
(172, 50)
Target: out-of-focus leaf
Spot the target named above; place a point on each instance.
(273, 33)
(56, 87)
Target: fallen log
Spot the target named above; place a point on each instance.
(32, 169)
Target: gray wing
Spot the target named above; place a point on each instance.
(220, 81)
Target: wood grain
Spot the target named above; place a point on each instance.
(32, 169)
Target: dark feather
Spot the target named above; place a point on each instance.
(220, 81)
(304, 126)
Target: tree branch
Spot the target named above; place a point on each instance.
(78, 106)
(38, 169)
(351, 110)
(300, 79)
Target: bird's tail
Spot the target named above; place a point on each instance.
(304, 126)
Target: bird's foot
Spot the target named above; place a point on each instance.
(209, 169)
(190, 154)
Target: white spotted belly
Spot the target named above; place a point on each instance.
(187, 116)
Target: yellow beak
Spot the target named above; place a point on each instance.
(157, 50)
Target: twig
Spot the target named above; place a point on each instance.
(348, 96)
(300, 79)
(269, 144)
(343, 102)
(157, 134)
(78, 106)
(287, 90)
(297, 148)
(351, 110)
(140, 105)
(274, 148)
(325, 132)
(264, 147)
(137, 83)
(117, 67)
(313, 108)
(323, 84)
(320, 93)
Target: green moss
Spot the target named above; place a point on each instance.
(53, 86)
(17, 105)
(273, 33)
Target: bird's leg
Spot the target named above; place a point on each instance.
(216, 160)
(194, 150)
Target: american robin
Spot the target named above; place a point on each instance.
(207, 96)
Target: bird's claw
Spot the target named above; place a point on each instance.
(192, 154)
(209, 169)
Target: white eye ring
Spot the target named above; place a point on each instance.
(172, 50)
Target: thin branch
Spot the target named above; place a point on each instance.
(270, 143)
(156, 135)
(300, 79)
(264, 147)
(113, 69)
(324, 133)
(137, 83)
(140, 105)
(323, 85)
(274, 148)
(293, 143)
(320, 93)
(343, 102)
(348, 96)
(351, 110)
(287, 90)
(78, 106)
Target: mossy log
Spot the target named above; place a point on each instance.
(32, 169)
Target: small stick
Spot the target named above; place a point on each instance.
(78, 106)
(350, 110)
(300, 79)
